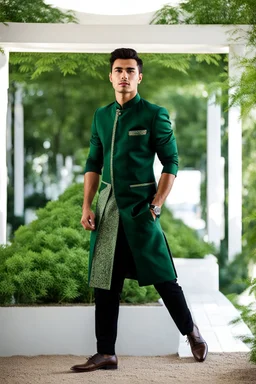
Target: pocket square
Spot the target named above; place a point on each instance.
(139, 132)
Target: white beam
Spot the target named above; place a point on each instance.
(4, 84)
(234, 161)
(214, 184)
(104, 38)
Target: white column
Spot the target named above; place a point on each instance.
(9, 136)
(234, 161)
(18, 154)
(4, 84)
(214, 180)
(222, 197)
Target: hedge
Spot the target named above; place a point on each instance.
(47, 262)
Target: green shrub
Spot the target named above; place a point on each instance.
(251, 321)
(183, 240)
(248, 315)
(134, 294)
(47, 261)
(234, 275)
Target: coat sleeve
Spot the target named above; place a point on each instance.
(94, 161)
(165, 142)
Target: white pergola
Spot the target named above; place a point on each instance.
(20, 37)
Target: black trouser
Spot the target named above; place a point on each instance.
(107, 301)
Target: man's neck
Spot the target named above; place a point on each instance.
(123, 98)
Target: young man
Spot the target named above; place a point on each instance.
(127, 239)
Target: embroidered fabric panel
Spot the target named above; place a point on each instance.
(104, 252)
(101, 203)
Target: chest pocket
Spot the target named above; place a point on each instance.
(138, 139)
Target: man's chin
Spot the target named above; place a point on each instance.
(123, 90)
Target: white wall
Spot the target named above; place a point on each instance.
(146, 330)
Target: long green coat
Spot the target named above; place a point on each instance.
(124, 142)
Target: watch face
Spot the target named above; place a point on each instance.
(157, 210)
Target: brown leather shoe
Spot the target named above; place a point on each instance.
(198, 345)
(95, 362)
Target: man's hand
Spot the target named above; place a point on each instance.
(88, 220)
(91, 182)
(153, 214)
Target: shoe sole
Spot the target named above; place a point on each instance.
(106, 367)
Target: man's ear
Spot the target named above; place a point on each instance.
(110, 77)
(140, 78)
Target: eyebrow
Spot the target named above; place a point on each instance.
(124, 68)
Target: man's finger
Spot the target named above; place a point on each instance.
(88, 223)
(84, 224)
(91, 222)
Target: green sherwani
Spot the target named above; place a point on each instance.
(124, 142)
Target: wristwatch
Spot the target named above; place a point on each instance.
(155, 209)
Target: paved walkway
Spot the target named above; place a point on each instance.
(213, 312)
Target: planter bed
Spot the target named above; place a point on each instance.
(50, 330)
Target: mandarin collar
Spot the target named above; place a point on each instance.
(129, 103)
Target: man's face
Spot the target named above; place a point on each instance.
(125, 76)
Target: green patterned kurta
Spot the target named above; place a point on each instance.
(124, 142)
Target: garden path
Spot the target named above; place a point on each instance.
(221, 368)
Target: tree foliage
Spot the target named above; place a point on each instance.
(32, 11)
(223, 12)
(249, 183)
(26, 66)
(201, 12)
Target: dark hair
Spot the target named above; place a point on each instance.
(125, 53)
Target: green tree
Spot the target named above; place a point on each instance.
(222, 12)
(201, 12)
(32, 11)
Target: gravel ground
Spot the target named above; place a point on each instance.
(224, 368)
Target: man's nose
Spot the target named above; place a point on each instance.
(124, 75)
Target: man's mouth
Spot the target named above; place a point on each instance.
(123, 83)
